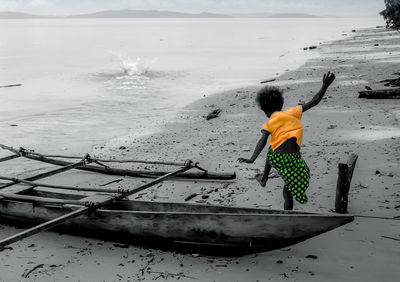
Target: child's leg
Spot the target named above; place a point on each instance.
(287, 196)
(262, 179)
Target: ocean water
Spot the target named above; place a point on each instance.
(90, 82)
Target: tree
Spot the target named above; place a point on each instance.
(392, 13)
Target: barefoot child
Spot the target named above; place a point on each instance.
(286, 133)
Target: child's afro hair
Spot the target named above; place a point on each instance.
(270, 99)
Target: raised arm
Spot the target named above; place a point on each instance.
(260, 146)
(326, 82)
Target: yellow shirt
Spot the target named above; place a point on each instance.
(285, 125)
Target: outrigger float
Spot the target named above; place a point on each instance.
(109, 214)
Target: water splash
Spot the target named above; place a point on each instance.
(139, 66)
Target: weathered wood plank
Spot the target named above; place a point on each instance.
(380, 94)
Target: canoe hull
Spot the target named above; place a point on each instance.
(185, 227)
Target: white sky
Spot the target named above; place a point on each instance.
(317, 7)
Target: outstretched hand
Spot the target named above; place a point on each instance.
(244, 160)
(328, 78)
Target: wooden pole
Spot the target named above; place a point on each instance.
(11, 149)
(343, 184)
(112, 161)
(36, 184)
(9, 158)
(42, 227)
(34, 199)
(91, 206)
(52, 172)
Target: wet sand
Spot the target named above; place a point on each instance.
(341, 124)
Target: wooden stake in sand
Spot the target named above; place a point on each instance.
(343, 183)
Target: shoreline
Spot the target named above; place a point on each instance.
(298, 54)
(340, 124)
(174, 117)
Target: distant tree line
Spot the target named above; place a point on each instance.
(392, 13)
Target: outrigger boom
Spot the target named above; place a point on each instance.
(201, 174)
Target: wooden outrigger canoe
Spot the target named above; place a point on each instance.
(109, 214)
(192, 228)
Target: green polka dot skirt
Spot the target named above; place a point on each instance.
(294, 172)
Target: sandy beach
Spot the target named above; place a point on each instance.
(341, 124)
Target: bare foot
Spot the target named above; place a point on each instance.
(259, 178)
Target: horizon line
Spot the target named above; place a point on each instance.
(223, 14)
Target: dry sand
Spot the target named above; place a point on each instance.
(341, 124)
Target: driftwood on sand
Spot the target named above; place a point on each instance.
(394, 82)
(26, 274)
(343, 183)
(10, 85)
(214, 114)
(380, 94)
(268, 80)
(388, 93)
(310, 47)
